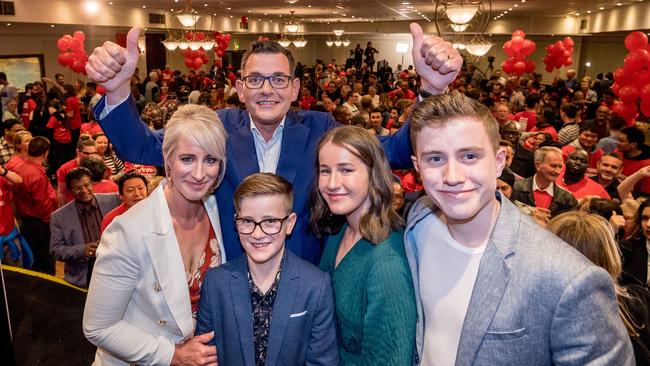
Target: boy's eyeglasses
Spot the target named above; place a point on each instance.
(268, 226)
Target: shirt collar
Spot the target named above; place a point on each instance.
(83, 207)
(548, 189)
(256, 131)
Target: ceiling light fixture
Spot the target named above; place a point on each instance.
(292, 26)
(188, 16)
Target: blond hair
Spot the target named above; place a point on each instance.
(264, 184)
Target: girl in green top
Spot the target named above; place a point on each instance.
(373, 290)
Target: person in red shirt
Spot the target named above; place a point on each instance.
(29, 104)
(34, 201)
(636, 155)
(132, 188)
(85, 147)
(403, 92)
(21, 144)
(586, 141)
(544, 123)
(73, 112)
(18, 253)
(306, 99)
(575, 181)
(528, 117)
(97, 167)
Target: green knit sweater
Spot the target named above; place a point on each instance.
(375, 302)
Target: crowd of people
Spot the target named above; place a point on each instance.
(412, 205)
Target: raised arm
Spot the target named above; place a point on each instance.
(626, 187)
(112, 66)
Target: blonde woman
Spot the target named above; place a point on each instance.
(593, 236)
(144, 293)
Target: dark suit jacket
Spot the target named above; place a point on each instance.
(635, 261)
(302, 331)
(562, 199)
(67, 241)
(134, 142)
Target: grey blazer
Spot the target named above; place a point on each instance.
(536, 300)
(302, 330)
(67, 241)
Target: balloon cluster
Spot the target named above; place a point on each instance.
(518, 48)
(632, 81)
(221, 45)
(559, 54)
(73, 53)
(195, 58)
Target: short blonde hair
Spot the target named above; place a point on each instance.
(200, 126)
(264, 184)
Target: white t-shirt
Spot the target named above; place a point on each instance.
(447, 272)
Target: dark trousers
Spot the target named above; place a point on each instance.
(37, 234)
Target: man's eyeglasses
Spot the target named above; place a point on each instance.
(276, 81)
(268, 226)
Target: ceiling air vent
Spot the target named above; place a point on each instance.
(584, 23)
(156, 18)
(7, 8)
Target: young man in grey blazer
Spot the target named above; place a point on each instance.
(268, 307)
(493, 287)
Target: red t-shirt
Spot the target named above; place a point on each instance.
(109, 217)
(542, 199)
(632, 166)
(72, 105)
(62, 172)
(585, 187)
(105, 186)
(594, 157)
(410, 184)
(61, 133)
(307, 102)
(35, 197)
(13, 162)
(6, 212)
(90, 128)
(28, 107)
(530, 117)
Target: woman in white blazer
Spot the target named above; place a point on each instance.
(151, 260)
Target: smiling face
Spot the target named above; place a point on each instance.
(460, 174)
(134, 191)
(260, 247)
(609, 167)
(82, 189)
(192, 171)
(375, 119)
(267, 105)
(550, 168)
(101, 144)
(577, 162)
(343, 181)
(588, 139)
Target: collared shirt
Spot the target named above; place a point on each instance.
(268, 152)
(90, 218)
(262, 306)
(548, 189)
(35, 197)
(6, 151)
(543, 197)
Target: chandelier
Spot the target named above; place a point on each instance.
(338, 42)
(193, 41)
(459, 15)
(292, 26)
(188, 16)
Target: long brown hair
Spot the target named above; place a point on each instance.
(376, 224)
(592, 236)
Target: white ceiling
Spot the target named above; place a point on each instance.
(368, 10)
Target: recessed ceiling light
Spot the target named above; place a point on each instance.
(205, 4)
(51, 25)
(309, 6)
(588, 11)
(144, 6)
(110, 3)
(577, 14)
(509, 9)
(516, 5)
(601, 8)
(618, 4)
(8, 23)
(227, 8)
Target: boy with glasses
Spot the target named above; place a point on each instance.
(281, 306)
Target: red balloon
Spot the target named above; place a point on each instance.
(507, 48)
(530, 66)
(79, 35)
(63, 43)
(558, 62)
(520, 67)
(76, 45)
(568, 42)
(628, 94)
(518, 33)
(616, 88)
(568, 61)
(61, 60)
(641, 78)
(628, 111)
(67, 58)
(636, 40)
(559, 46)
(186, 52)
(77, 66)
(244, 19)
(549, 68)
(623, 77)
(566, 54)
(508, 66)
(528, 47)
(189, 63)
(220, 53)
(189, 35)
(198, 61)
(636, 60)
(517, 44)
(644, 93)
(200, 36)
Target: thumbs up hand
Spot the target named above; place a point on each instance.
(112, 66)
(617, 222)
(435, 60)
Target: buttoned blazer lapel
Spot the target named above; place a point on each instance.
(282, 308)
(295, 139)
(163, 249)
(491, 282)
(242, 159)
(241, 299)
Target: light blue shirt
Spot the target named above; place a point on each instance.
(268, 152)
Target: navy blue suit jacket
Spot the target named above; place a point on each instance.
(302, 330)
(134, 142)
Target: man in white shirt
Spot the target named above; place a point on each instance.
(492, 288)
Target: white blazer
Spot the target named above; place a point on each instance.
(138, 304)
